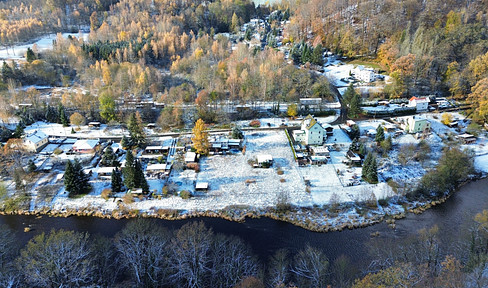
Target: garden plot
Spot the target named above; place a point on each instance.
(235, 182)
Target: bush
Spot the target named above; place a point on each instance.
(185, 194)
(255, 123)
(106, 193)
(57, 151)
(193, 166)
(128, 198)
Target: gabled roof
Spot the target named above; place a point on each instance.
(311, 122)
(36, 137)
(419, 99)
(85, 144)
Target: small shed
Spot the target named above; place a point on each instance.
(201, 186)
(190, 157)
(467, 138)
(318, 160)
(105, 172)
(157, 169)
(94, 124)
(353, 158)
(321, 151)
(155, 150)
(264, 160)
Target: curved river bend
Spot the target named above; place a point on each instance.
(265, 235)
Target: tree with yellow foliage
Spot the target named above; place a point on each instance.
(446, 118)
(200, 137)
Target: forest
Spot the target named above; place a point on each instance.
(144, 254)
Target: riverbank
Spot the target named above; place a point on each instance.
(317, 219)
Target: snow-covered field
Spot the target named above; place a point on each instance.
(45, 43)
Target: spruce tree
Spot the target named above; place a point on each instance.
(109, 158)
(7, 72)
(355, 106)
(129, 171)
(124, 142)
(117, 183)
(367, 166)
(136, 132)
(69, 178)
(380, 134)
(362, 150)
(30, 55)
(81, 179)
(31, 166)
(62, 116)
(19, 130)
(373, 172)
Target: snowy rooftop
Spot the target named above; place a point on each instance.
(263, 158)
(36, 137)
(85, 144)
(153, 167)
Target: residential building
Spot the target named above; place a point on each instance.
(35, 141)
(421, 104)
(467, 138)
(85, 146)
(311, 132)
(365, 74)
(415, 124)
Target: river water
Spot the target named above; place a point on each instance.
(265, 236)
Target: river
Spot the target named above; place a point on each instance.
(266, 236)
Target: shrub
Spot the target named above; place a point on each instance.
(193, 166)
(106, 193)
(185, 194)
(282, 180)
(57, 151)
(255, 123)
(280, 171)
(128, 198)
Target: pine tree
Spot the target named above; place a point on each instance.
(140, 179)
(129, 171)
(200, 138)
(69, 177)
(317, 55)
(136, 132)
(62, 116)
(109, 158)
(31, 166)
(124, 142)
(7, 72)
(362, 150)
(380, 134)
(348, 94)
(355, 106)
(117, 183)
(369, 170)
(75, 180)
(30, 55)
(51, 115)
(19, 130)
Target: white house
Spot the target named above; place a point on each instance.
(311, 132)
(85, 146)
(415, 124)
(35, 141)
(365, 74)
(422, 104)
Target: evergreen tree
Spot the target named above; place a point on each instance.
(237, 133)
(369, 170)
(51, 114)
(124, 142)
(7, 72)
(129, 171)
(140, 179)
(75, 180)
(380, 134)
(62, 116)
(30, 55)
(355, 106)
(31, 166)
(362, 150)
(109, 158)
(348, 94)
(317, 55)
(136, 132)
(117, 183)
(69, 177)
(19, 130)
(200, 137)
(354, 147)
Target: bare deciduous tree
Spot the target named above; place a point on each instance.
(311, 268)
(142, 245)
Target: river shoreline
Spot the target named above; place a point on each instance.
(310, 218)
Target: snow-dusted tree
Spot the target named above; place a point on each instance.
(117, 183)
(75, 180)
(232, 261)
(136, 132)
(190, 259)
(200, 137)
(58, 259)
(279, 268)
(311, 268)
(144, 249)
(380, 134)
